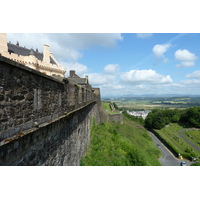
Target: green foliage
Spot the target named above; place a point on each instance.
(158, 118)
(114, 144)
(194, 116)
(116, 107)
(175, 118)
(159, 121)
(195, 164)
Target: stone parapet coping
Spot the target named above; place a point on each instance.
(23, 133)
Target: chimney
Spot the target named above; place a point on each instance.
(46, 54)
(72, 73)
(3, 42)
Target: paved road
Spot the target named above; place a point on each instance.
(167, 158)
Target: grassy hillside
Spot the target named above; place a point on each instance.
(114, 144)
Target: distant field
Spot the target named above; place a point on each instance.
(145, 103)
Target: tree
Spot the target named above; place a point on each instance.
(149, 120)
(175, 118)
(167, 121)
(159, 121)
(193, 115)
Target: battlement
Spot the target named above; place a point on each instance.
(34, 63)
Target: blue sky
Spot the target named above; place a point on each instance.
(126, 63)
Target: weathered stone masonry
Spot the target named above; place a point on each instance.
(43, 121)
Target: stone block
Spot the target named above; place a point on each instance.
(29, 96)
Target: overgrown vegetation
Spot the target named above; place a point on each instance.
(115, 144)
(107, 107)
(158, 118)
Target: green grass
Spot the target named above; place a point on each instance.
(193, 135)
(115, 144)
(171, 136)
(106, 106)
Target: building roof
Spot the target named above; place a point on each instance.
(12, 48)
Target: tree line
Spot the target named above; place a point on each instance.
(158, 118)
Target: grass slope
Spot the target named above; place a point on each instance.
(127, 144)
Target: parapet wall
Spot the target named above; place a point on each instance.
(29, 98)
(43, 121)
(60, 143)
(116, 117)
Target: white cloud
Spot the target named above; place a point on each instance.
(195, 75)
(111, 69)
(184, 55)
(80, 69)
(97, 79)
(160, 49)
(65, 45)
(144, 77)
(144, 35)
(187, 58)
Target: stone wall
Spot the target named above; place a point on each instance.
(116, 117)
(29, 98)
(43, 121)
(62, 142)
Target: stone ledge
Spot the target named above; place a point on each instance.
(23, 133)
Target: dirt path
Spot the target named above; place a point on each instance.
(187, 140)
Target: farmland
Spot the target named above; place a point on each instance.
(149, 103)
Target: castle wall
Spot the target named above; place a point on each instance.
(60, 143)
(42, 115)
(29, 98)
(116, 117)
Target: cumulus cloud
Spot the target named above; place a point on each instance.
(144, 35)
(111, 69)
(65, 45)
(97, 79)
(81, 70)
(187, 58)
(144, 77)
(195, 75)
(160, 49)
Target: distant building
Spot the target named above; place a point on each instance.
(73, 78)
(142, 114)
(43, 62)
